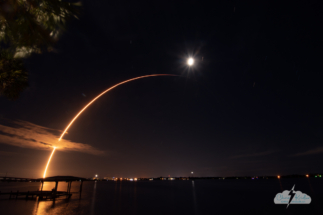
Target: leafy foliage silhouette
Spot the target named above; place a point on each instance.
(28, 26)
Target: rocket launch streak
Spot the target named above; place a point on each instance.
(93, 100)
(132, 79)
(51, 155)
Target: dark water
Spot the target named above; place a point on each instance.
(168, 197)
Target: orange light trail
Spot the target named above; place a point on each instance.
(51, 155)
(93, 100)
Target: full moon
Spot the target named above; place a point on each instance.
(190, 61)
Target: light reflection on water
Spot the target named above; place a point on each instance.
(61, 205)
(93, 198)
(162, 197)
(194, 197)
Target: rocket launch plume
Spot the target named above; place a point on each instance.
(93, 100)
(86, 106)
(51, 155)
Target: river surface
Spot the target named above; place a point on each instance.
(243, 196)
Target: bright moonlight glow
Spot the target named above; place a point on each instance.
(190, 61)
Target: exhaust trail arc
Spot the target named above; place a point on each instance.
(50, 157)
(93, 100)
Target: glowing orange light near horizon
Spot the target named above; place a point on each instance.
(307, 176)
(278, 176)
(93, 100)
(50, 157)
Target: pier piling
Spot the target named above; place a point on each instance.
(48, 195)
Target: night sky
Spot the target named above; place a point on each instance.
(250, 105)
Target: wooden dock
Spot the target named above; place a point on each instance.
(42, 195)
(47, 195)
